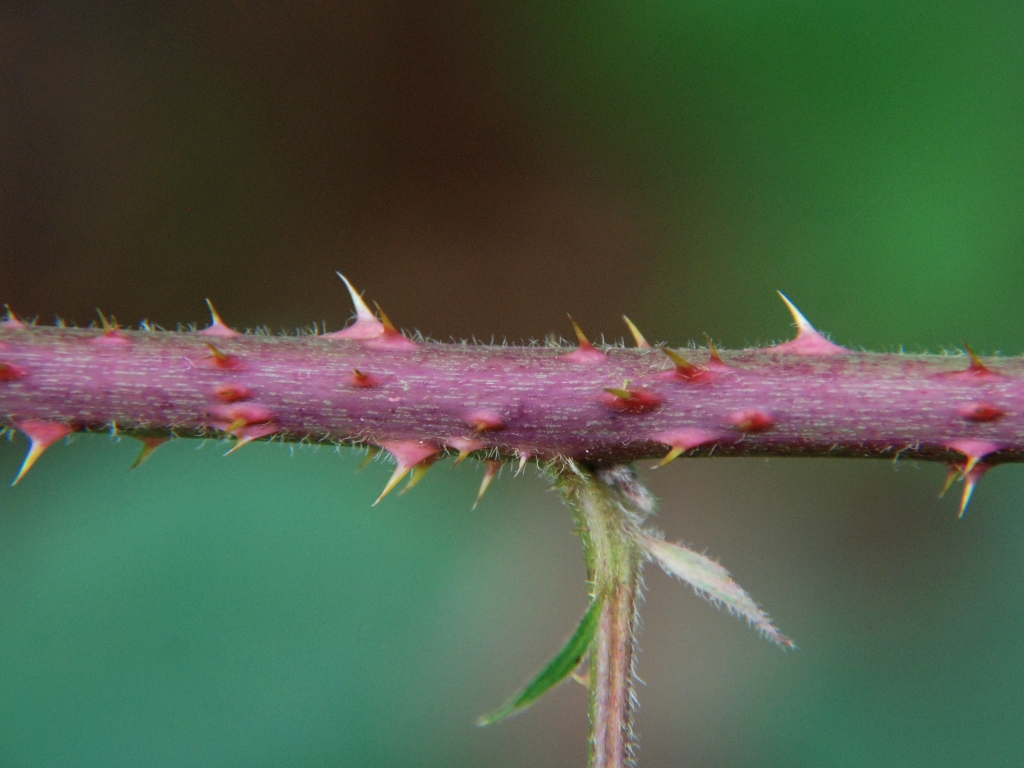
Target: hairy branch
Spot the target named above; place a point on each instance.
(609, 506)
(513, 400)
(369, 384)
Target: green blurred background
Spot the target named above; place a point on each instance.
(481, 168)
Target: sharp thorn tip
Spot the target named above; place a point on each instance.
(363, 312)
(638, 337)
(396, 478)
(802, 323)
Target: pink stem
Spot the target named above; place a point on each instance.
(533, 401)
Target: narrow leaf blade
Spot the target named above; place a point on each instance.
(712, 581)
(559, 668)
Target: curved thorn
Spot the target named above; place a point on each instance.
(217, 326)
(363, 312)
(389, 336)
(217, 355)
(671, 456)
(977, 367)
(417, 474)
(952, 473)
(490, 470)
(396, 478)
(681, 362)
(11, 320)
(366, 326)
(41, 435)
(107, 327)
(240, 443)
(808, 341)
(714, 358)
(149, 444)
(524, 456)
(803, 325)
(585, 352)
(388, 325)
(371, 454)
(580, 336)
(410, 455)
(683, 365)
(638, 337)
(974, 450)
(236, 425)
(686, 439)
(622, 394)
(970, 483)
(465, 446)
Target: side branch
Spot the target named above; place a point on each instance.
(608, 506)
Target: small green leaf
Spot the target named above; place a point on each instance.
(557, 669)
(712, 581)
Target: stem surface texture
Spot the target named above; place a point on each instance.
(607, 408)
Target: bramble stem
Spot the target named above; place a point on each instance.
(608, 505)
(513, 401)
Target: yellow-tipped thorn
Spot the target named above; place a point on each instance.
(396, 478)
(671, 456)
(965, 498)
(523, 458)
(623, 394)
(977, 366)
(803, 325)
(952, 473)
(215, 318)
(217, 354)
(363, 312)
(35, 450)
(371, 454)
(41, 435)
(240, 443)
(235, 425)
(463, 455)
(808, 341)
(11, 320)
(217, 326)
(388, 325)
(682, 364)
(417, 474)
(107, 327)
(970, 464)
(975, 360)
(580, 337)
(638, 337)
(585, 353)
(490, 470)
(149, 444)
(713, 352)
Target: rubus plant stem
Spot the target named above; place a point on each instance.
(580, 412)
(514, 401)
(608, 506)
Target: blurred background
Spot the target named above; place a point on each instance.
(480, 169)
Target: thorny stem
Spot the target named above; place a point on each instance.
(608, 505)
(514, 401)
